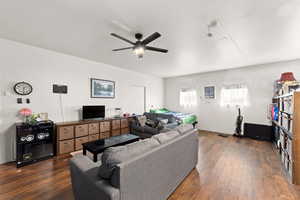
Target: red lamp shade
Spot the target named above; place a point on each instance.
(287, 76)
(25, 112)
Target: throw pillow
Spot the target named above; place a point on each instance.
(165, 137)
(151, 123)
(142, 120)
(160, 126)
(184, 128)
(164, 121)
(110, 158)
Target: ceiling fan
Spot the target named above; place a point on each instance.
(140, 45)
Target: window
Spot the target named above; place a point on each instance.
(234, 95)
(188, 97)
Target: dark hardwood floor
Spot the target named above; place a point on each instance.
(228, 168)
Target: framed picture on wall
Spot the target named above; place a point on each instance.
(209, 92)
(102, 88)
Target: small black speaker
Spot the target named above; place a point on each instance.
(258, 131)
(60, 89)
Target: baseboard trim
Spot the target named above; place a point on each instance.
(214, 132)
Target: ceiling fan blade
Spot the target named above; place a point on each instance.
(121, 38)
(156, 49)
(150, 38)
(122, 49)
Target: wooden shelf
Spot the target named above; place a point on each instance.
(286, 113)
(291, 160)
(284, 129)
(276, 123)
(284, 95)
(289, 134)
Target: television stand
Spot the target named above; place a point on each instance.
(71, 135)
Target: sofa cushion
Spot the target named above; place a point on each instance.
(165, 137)
(151, 123)
(184, 128)
(115, 155)
(135, 149)
(142, 146)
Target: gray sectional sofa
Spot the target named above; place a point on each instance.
(152, 175)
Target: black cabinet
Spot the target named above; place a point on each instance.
(34, 142)
(258, 131)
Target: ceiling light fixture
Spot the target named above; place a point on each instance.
(140, 46)
(139, 51)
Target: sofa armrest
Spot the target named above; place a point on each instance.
(87, 184)
(150, 130)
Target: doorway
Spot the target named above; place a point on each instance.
(137, 100)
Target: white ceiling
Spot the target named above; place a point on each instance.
(248, 31)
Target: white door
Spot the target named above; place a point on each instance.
(136, 102)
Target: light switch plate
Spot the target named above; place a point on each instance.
(19, 100)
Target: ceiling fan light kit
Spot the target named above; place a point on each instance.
(140, 45)
(139, 51)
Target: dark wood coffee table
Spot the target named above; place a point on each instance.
(98, 146)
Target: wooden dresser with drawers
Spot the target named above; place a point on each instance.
(71, 135)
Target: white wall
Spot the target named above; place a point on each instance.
(42, 68)
(212, 116)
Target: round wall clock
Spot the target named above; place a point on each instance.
(23, 88)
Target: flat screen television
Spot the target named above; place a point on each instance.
(93, 112)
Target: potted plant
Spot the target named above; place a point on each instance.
(29, 117)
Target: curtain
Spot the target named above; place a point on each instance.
(234, 95)
(188, 98)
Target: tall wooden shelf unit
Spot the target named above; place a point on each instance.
(287, 128)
